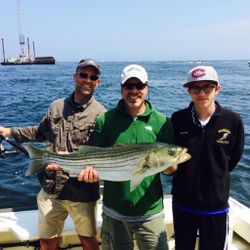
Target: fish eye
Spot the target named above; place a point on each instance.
(171, 152)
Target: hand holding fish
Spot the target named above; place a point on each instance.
(53, 166)
(170, 170)
(88, 174)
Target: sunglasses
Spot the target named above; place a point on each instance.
(206, 89)
(85, 76)
(138, 85)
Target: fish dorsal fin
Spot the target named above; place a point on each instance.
(85, 149)
(133, 146)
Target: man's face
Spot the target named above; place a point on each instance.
(86, 79)
(134, 93)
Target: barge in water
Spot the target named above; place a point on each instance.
(23, 60)
(37, 60)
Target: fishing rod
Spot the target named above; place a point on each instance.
(4, 152)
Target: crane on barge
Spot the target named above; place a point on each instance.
(23, 59)
(20, 30)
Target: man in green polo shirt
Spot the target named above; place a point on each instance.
(138, 214)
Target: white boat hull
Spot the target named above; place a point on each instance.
(19, 230)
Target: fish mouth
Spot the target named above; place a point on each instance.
(184, 156)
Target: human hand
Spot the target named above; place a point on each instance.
(170, 170)
(6, 132)
(88, 174)
(52, 166)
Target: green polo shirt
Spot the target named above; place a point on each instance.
(117, 127)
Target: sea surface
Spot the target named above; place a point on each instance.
(26, 92)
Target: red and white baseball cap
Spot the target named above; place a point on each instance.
(201, 73)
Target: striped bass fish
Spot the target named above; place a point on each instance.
(124, 162)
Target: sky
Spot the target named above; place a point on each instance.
(131, 30)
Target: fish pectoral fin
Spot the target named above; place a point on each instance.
(140, 170)
(134, 182)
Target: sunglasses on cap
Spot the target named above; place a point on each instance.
(85, 76)
(206, 89)
(138, 85)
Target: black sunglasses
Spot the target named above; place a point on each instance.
(206, 89)
(85, 76)
(138, 85)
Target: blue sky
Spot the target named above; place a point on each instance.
(131, 30)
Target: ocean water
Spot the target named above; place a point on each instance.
(26, 92)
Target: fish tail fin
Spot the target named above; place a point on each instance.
(35, 166)
(36, 157)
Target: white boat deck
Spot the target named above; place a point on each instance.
(23, 226)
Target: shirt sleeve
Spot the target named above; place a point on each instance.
(238, 147)
(98, 136)
(31, 133)
(166, 134)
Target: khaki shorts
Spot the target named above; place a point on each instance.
(53, 212)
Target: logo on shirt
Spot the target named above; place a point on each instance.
(148, 128)
(183, 132)
(224, 134)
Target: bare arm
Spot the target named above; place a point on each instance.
(6, 132)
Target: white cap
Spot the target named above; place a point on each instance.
(201, 73)
(134, 70)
